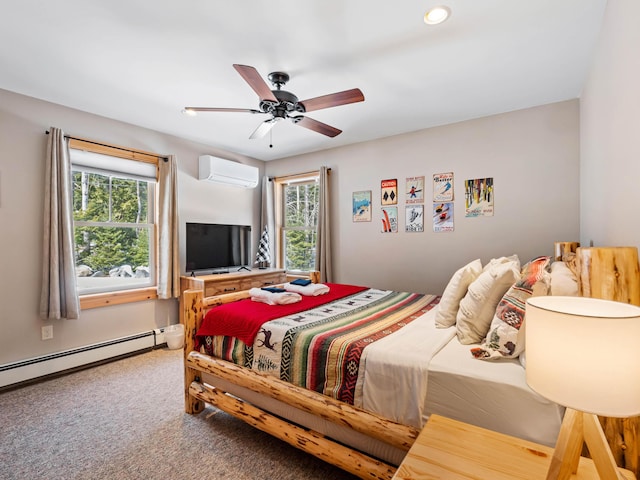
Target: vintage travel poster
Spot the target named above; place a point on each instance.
(443, 217)
(389, 194)
(414, 218)
(362, 206)
(414, 190)
(478, 197)
(443, 187)
(389, 219)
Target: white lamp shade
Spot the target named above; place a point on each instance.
(584, 353)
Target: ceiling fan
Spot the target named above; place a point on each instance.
(282, 105)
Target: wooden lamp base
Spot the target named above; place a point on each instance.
(579, 428)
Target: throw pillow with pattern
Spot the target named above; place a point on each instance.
(506, 335)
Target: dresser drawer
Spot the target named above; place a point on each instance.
(263, 281)
(217, 288)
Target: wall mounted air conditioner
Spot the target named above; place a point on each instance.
(227, 172)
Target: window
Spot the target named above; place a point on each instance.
(298, 198)
(114, 222)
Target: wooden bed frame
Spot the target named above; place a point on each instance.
(197, 393)
(595, 267)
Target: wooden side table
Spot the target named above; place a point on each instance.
(452, 450)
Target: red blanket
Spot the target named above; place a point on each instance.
(243, 319)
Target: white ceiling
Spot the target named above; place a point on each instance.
(142, 61)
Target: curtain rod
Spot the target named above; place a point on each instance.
(69, 137)
(315, 172)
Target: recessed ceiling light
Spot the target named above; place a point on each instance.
(437, 15)
(190, 112)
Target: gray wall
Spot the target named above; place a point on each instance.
(610, 131)
(533, 156)
(23, 121)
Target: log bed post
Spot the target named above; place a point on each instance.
(192, 315)
(613, 273)
(610, 273)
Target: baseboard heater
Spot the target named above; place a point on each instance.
(26, 371)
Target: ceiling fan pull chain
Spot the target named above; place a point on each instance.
(271, 138)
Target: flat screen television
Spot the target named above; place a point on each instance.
(217, 247)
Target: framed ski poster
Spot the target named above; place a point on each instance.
(414, 218)
(443, 217)
(414, 190)
(361, 205)
(389, 219)
(478, 197)
(389, 193)
(443, 187)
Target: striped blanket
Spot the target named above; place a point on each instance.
(320, 349)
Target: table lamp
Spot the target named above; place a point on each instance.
(584, 353)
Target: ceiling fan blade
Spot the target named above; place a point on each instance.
(263, 129)
(214, 109)
(333, 100)
(316, 126)
(255, 81)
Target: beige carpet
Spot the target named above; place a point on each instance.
(125, 420)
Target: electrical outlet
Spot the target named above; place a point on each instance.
(47, 332)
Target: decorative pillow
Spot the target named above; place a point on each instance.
(499, 260)
(506, 337)
(454, 292)
(563, 280)
(479, 304)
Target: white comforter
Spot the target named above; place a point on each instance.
(393, 375)
(421, 369)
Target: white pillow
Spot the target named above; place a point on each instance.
(499, 260)
(563, 281)
(479, 304)
(454, 292)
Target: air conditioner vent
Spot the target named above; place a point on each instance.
(227, 172)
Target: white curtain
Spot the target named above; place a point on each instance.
(168, 260)
(267, 217)
(323, 251)
(58, 297)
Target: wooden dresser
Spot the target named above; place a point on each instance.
(232, 282)
(221, 283)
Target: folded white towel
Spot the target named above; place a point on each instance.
(312, 290)
(274, 298)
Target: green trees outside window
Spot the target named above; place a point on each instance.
(113, 225)
(301, 203)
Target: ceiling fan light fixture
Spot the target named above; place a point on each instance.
(437, 15)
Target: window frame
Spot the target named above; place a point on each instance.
(280, 184)
(116, 297)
